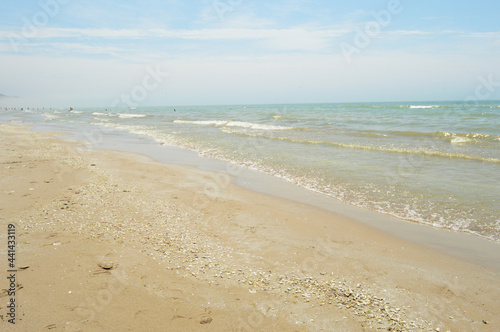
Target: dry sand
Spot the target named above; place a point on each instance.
(110, 241)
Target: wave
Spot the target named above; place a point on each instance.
(448, 136)
(256, 126)
(368, 134)
(130, 116)
(424, 106)
(459, 140)
(458, 105)
(467, 137)
(157, 135)
(203, 123)
(428, 153)
(484, 114)
(241, 124)
(50, 117)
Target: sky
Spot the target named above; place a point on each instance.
(208, 52)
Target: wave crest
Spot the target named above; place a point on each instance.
(241, 124)
(130, 116)
(423, 106)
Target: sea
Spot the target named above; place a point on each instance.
(434, 163)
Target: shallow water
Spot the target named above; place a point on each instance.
(432, 163)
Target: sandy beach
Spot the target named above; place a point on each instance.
(114, 241)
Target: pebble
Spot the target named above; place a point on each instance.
(206, 320)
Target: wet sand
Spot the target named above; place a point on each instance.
(113, 241)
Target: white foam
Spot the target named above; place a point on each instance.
(241, 124)
(130, 116)
(203, 123)
(424, 106)
(477, 135)
(158, 136)
(49, 117)
(256, 126)
(459, 139)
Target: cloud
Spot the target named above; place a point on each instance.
(195, 34)
(154, 43)
(114, 41)
(317, 35)
(494, 35)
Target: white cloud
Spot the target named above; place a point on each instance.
(403, 33)
(303, 38)
(494, 35)
(268, 40)
(197, 34)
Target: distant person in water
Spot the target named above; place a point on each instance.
(70, 109)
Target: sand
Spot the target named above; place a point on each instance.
(113, 241)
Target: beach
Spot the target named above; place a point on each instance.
(419, 162)
(114, 241)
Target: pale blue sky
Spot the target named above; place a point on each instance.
(61, 52)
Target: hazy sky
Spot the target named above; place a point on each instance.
(99, 53)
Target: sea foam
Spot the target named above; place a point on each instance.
(424, 106)
(241, 124)
(130, 116)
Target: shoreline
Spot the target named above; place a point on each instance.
(247, 258)
(465, 245)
